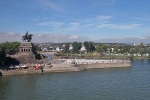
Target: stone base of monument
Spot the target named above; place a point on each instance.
(26, 48)
(27, 53)
(23, 60)
(27, 58)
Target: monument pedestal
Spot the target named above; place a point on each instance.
(26, 50)
(27, 53)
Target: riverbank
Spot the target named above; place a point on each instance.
(92, 56)
(70, 65)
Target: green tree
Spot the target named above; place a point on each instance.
(105, 47)
(116, 50)
(66, 48)
(76, 46)
(89, 46)
(133, 50)
(79, 45)
(11, 47)
(100, 49)
(14, 47)
(126, 49)
(37, 48)
(2, 54)
(148, 50)
(86, 44)
(142, 51)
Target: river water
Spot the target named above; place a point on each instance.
(131, 83)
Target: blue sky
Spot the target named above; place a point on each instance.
(123, 21)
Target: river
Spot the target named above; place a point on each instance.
(132, 83)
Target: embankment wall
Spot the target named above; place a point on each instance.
(19, 72)
(105, 65)
(67, 68)
(63, 68)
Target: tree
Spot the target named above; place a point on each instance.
(76, 46)
(100, 49)
(116, 50)
(89, 46)
(66, 48)
(37, 48)
(105, 47)
(11, 47)
(126, 49)
(133, 50)
(86, 44)
(2, 54)
(142, 51)
(148, 50)
(79, 45)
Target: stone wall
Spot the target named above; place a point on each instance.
(67, 68)
(63, 68)
(105, 65)
(24, 60)
(18, 72)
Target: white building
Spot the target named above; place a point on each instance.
(70, 47)
(58, 49)
(83, 48)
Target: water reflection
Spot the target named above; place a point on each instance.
(130, 83)
(4, 87)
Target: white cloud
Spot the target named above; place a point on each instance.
(41, 37)
(102, 21)
(12, 33)
(50, 23)
(144, 39)
(71, 28)
(98, 19)
(144, 19)
(147, 31)
(46, 4)
(102, 2)
(95, 22)
(1, 34)
(88, 25)
(73, 37)
(74, 24)
(51, 37)
(57, 38)
(103, 18)
(114, 26)
(11, 36)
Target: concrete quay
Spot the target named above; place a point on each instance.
(70, 65)
(89, 64)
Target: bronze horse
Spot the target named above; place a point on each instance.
(27, 37)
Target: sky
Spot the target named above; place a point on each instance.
(104, 21)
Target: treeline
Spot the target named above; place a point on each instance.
(108, 48)
(76, 46)
(140, 49)
(8, 48)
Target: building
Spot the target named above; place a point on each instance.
(70, 47)
(83, 48)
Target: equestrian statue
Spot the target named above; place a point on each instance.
(27, 37)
